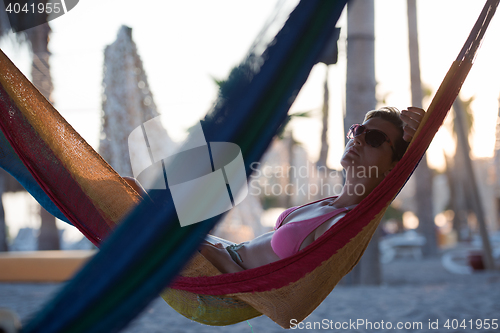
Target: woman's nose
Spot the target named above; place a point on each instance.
(360, 139)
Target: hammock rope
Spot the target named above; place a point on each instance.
(149, 247)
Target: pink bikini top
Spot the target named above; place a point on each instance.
(288, 238)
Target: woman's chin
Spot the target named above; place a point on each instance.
(348, 161)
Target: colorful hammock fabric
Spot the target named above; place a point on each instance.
(61, 164)
(145, 252)
(11, 162)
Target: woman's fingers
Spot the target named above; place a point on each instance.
(408, 133)
(419, 111)
(412, 117)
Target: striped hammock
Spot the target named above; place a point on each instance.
(145, 253)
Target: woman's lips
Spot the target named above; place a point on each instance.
(353, 151)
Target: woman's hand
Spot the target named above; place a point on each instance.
(219, 257)
(412, 117)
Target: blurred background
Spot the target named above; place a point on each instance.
(109, 60)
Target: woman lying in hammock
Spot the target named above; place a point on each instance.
(373, 150)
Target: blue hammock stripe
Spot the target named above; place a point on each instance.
(11, 163)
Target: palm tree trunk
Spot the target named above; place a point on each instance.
(40, 66)
(48, 239)
(3, 227)
(423, 174)
(360, 73)
(458, 203)
(38, 38)
(360, 98)
(323, 155)
(289, 143)
(472, 185)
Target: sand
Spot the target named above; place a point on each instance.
(415, 293)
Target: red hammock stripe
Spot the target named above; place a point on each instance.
(43, 164)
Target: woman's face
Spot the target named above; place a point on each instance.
(360, 160)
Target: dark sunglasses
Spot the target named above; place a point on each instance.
(374, 138)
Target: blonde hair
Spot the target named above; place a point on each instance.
(391, 114)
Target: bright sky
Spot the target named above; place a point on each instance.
(183, 44)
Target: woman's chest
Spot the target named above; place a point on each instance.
(308, 212)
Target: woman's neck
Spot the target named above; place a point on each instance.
(354, 191)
